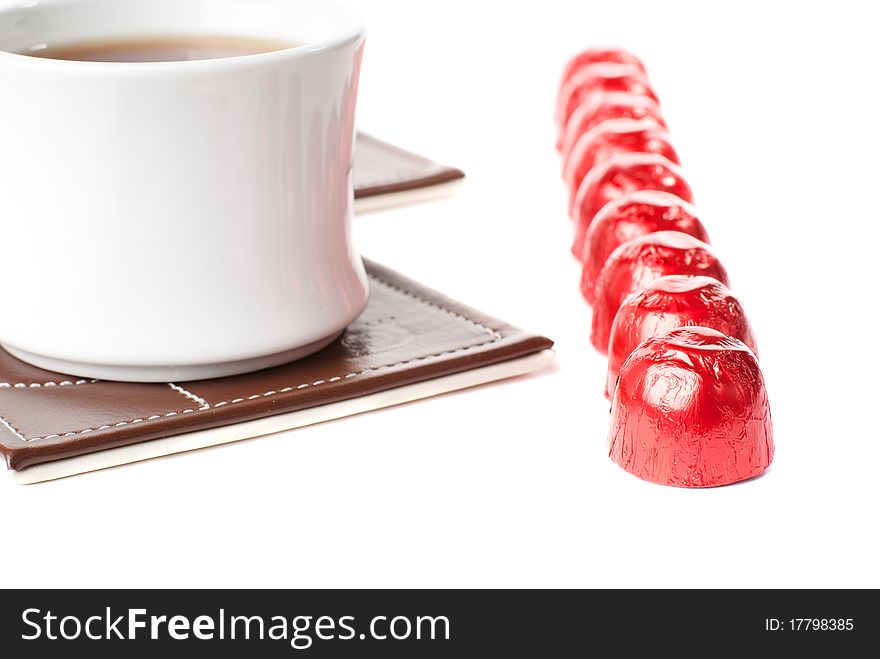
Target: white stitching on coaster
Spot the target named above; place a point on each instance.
(12, 429)
(107, 427)
(37, 385)
(318, 383)
(495, 335)
(204, 405)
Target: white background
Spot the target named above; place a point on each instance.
(773, 108)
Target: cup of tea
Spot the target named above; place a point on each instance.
(176, 185)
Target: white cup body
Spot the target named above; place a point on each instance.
(177, 220)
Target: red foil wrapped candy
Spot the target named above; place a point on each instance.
(670, 302)
(637, 263)
(607, 106)
(690, 410)
(609, 138)
(598, 78)
(632, 216)
(619, 175)
(596, 56)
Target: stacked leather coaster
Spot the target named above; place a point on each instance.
(387, 176)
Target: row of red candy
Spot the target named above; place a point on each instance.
(689, 405)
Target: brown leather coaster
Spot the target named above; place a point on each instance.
(386, 175)
(407, 334)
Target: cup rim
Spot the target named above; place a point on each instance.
(352, 34)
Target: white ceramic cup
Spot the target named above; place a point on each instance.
(177, 220)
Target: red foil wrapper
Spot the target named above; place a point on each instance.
(637, 263)
(619, 175)
(596, 79)
(670, 302)
(597, 56)
(604, 107)
(690, 410)
(632, 216)
(609, 138)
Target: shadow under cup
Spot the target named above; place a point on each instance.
(177, 220)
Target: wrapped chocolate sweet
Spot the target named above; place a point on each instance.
(691, 410)
(637, 263)
(669, 302)
(609, 138)
(597, 79)
(632, 216)
(596, 56)
(619, 175)
(603, 107)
